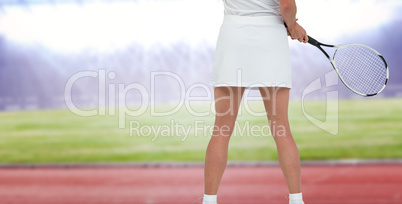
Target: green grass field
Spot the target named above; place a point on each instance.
(368, 129)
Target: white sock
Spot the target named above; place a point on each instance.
(295, 198)
(209, 199)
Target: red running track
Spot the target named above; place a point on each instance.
(346, 184)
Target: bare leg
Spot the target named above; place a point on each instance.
(276, 102)
(227, 101)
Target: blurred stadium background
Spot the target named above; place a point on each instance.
(43, 43)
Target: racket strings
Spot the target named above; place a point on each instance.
(361, 68)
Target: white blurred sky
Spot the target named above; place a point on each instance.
(108, 26)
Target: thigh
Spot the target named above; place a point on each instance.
(276, 101)
(227, 102)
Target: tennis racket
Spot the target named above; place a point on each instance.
(361, 68)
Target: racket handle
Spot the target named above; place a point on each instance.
(313, 41)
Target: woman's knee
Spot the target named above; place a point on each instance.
(222, 130)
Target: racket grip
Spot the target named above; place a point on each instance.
(313, 41)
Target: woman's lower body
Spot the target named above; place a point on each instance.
(227, 105)
(251, 52)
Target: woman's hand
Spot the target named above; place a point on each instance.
(296, 32)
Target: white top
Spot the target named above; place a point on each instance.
(252, 7)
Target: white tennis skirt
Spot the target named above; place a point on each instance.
(252, 52)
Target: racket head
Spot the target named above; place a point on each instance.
(361, 68)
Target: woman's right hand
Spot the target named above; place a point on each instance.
(297, 32)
